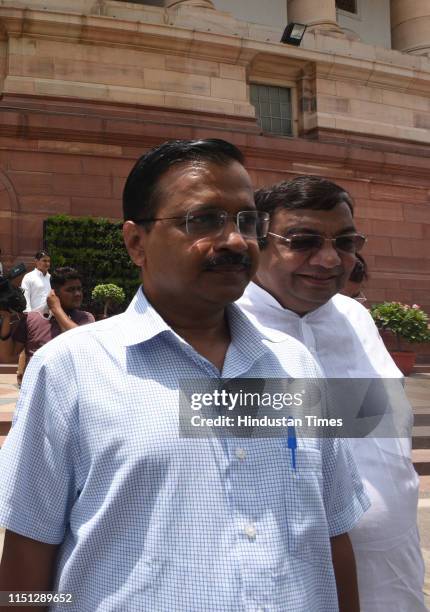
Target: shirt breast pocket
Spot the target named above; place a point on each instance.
(308, 537)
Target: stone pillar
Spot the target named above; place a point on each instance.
(194, 3)
(410, 26)
(317, 14)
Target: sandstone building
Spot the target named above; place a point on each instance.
(87, 85)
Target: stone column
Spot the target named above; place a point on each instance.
(410, 26)
(194, 3)
(316, 14)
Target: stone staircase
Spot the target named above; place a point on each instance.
(418, 391)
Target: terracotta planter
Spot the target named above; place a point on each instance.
(404, 360)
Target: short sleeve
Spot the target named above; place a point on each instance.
(87, 318)
(344, 497)
(38, 457)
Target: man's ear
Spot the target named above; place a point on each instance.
(134, 239)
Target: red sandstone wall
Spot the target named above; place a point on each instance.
(75, 161)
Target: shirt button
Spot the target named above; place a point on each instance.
(240, 453)
(251, 531)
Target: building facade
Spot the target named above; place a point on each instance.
(88, 85)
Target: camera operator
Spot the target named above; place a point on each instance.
(32, 330)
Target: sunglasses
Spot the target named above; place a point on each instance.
(347, 243)
(201, 223)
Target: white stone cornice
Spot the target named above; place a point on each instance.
(335, 57)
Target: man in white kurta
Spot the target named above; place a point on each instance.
(296, 294)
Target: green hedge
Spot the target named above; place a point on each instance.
(94, 246)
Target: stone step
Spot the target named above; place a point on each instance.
(421, 461)
(422, 368)
(8, 368)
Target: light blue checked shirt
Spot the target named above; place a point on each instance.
(152, 522)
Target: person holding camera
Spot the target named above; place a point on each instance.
(32, 330)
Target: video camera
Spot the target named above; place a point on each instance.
(11, 297)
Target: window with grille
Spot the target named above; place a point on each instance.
(273, 108)
(350, 6)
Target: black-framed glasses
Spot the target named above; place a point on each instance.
(347, 243)
(200, 223)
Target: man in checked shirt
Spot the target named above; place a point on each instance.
(102, 497)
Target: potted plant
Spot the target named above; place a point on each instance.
(406, 323)
(109, 294)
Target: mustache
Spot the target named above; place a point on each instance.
(227, 259)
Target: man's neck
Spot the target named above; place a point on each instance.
(206, 330)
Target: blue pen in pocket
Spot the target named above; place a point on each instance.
(292, 443)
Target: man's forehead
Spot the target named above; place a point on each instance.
(195, 171)
(337, 216)
(200, 178)
(72, 282)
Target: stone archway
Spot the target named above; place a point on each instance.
(9, 207)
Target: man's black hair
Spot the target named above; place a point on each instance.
(41, 254)
(303, 192)
(60, 276)
(140, 191)
(360, 270)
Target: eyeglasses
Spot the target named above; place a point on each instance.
(347, 243)
(200, 223)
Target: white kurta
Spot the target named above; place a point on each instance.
(343, 338)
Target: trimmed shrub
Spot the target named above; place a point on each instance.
(94, 246)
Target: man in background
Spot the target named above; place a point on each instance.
(36, 285)
(34, 329)
(359, 275)
(308, 256)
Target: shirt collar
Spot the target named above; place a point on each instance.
(141, 322)
(271, 316)
(37, 271)
(245, 335)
